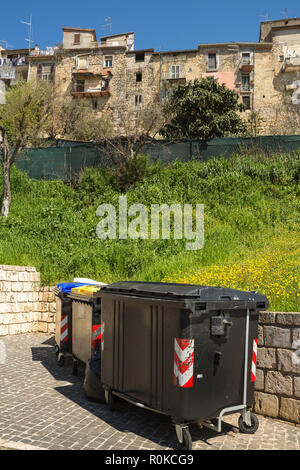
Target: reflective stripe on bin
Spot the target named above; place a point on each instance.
(254, 356)
(64, 328)
(98, 335)
(183, 362)
(102, 337)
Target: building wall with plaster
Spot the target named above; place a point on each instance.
(268, 84)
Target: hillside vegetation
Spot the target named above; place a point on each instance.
(251, 226)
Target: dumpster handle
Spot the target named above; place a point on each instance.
(246, 357)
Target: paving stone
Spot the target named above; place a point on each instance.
(44, 406)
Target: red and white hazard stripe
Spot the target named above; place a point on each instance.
(64, 328)
(98, 336)
(102, 337)
(254, 358)
(183, 362)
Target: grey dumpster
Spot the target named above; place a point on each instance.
(187, 351)
(86, 323)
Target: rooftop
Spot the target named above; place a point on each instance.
(116, 35)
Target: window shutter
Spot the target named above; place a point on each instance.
(76, 38)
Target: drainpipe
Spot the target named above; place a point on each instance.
(28, 71)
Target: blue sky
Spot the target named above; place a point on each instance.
(158, 24)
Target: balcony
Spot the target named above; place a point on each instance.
(246, 64)
(174, 76)
(43, 52)
(91, 92)
(292, 64)
(85, 73)
(7, 72)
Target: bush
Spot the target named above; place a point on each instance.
(251, 204)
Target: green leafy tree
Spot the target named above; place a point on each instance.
(203, 110)
(23, 120)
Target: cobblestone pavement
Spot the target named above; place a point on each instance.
(43, 405)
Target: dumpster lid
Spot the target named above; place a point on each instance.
(85, 290)
(66, 287)
(182, 291)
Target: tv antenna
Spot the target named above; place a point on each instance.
(29, 39)
(107, 27)
(5, 41)
(285, 13)
(266, 16)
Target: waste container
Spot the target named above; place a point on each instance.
(86, 323)
(187, 351)
(63, 326)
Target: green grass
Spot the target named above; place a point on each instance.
(250, 203)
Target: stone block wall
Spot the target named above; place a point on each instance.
(278, 366)
(25, 307)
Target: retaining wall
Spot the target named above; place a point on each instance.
(25, 306)
(278, 366)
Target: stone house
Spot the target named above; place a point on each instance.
(111, 74)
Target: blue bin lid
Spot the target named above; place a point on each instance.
(67, 286)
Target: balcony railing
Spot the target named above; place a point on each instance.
(15, 62)
(292, 64)
(246, 63)
(7, 72)
(173, 75)
(245, 87)
(47, 51)
(89, 92)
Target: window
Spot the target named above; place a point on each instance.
(175, 71)
(139, 76)
(140, 57)
(138, 101)
(212, 61)
(82, 63)
(246, 58)
(45, 72)
(246, 102)
(108, 61)
(95, 104)
(79, 86)
(76, 38)
(246, 82)
(47, 76)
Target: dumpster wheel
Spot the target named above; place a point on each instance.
(244, 428)
(75, 367)
(184, 437)
(61, 360)
(110, 401)
(187, 442)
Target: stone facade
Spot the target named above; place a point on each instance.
(25, 306)
(112, 75)
(278, 366)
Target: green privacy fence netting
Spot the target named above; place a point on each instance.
(68, 159)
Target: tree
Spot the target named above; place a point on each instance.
(75, 120)
(23, 120)
(134, 129)
(203, 110)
